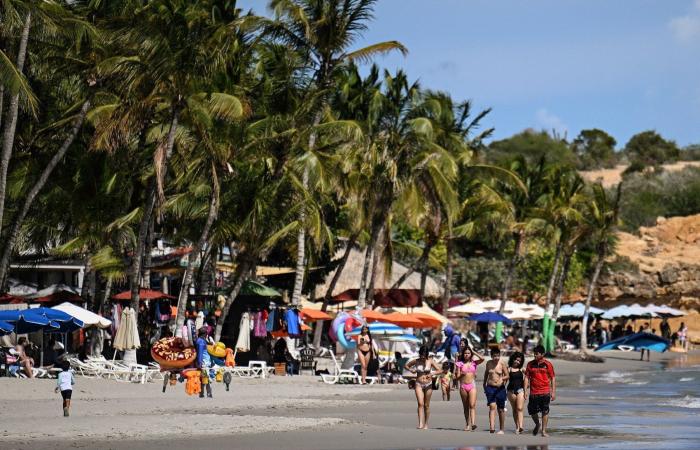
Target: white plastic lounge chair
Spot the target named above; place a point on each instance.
(344, 374)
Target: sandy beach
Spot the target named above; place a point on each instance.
(290, 412)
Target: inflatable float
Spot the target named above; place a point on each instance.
(342, 324)
(171, 353)
(217, 350)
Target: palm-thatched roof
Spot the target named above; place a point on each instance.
(352, 274)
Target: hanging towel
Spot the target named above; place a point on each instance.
(271, 321)
(292, 323)
(243, 342)
(260, 326)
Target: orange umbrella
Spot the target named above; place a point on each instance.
(373, 316)
(403, 320)
(312, 315)
(427, 320)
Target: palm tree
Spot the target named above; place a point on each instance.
(603, 218)
(323, 31)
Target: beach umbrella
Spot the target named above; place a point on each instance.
(89, 318)
(28, 321)
(616, 312)
(312, 315)
(519, 315)
(637, 341)
(379, 329)
(144, 294)
(372, 316)
(473, 307)
(666, 311)
(403, 320)
(402, 338)
(427, 320)
(127, 337)
(66, 323)
(577, 310)
(6, 328)
(638, 311)
(490, 317)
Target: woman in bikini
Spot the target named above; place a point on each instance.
(364, 351)
(423, 368)
(516, 389)
(465, 373)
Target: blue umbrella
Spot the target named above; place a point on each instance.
(66, 322)
(28, 321)
(6, 328)
(490, 317)
(638, 341)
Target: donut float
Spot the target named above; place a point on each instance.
(171, 353)
(217, 350)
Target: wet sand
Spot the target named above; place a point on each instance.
(284, 412)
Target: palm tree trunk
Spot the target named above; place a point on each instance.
(589, 296)
(561, 283)
(301, 235)
(447, 292)
(38, 186)
(240, 275)
(135, 281)
(187, 279)
(331, 287)
(148, 257)
(553, 276)
(512, 266)
(2, 103)
(417, 266)
(11, 123)
(105, 298)
(369, 253)
(375, 264)
(209, 269)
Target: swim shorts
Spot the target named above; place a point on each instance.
(496, 395)
(538, 404)
(66, 394)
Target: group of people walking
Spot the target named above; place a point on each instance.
(503, 382)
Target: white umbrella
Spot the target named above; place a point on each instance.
(519, 315)
(637, 310)
(666, 311)
(616, 312)
(127, 337)
(577, 310)
(89, 318)
(473, 307)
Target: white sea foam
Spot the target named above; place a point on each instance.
(638, 383)
(687, 379)
(615, 377)
(686, 402)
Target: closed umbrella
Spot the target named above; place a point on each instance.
(127, 337)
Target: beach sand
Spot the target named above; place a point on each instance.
(282, 412)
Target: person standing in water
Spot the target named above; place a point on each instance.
(542, 386)
(423, 367)
(364, 351)
(64, 383)
(516, 389)
(465, 373)
(495, 377)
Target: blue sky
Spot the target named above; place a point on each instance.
(622, 66)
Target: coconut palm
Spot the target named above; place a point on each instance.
(603, 219)
(323, 31)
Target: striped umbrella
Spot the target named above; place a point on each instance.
(379, 329)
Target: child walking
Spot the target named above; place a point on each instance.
(64, 383)
(446, 381)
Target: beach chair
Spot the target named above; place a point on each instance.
(340, 374)
(86, 369)
(307, 361)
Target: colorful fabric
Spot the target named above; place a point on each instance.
(292, 318)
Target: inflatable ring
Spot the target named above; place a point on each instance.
(172, 353)
(217, 350)
(339, 319)
(344, 323)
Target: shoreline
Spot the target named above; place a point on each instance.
(107, 414)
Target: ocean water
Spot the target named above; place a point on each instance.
(654, 409)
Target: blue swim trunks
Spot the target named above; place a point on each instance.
(496, 395)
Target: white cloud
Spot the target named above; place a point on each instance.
(686, 28)
(549, 121)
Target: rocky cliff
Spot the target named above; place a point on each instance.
(668, 260)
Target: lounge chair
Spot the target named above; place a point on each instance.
(340, 374)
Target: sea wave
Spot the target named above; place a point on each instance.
(687, 379)
(686, 402)
(614, 377)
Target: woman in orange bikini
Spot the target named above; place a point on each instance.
(364, 351)
(465, 373)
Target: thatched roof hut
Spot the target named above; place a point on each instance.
(352, 274)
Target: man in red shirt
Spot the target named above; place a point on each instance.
(539, 379)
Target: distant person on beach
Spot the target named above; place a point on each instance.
(542, 387)
(25, 360)
(446, 381)
(365, 352)
(423, 367)
(465, 374)
(683, 336)
(516, 389)
(645, 329)
(64, 384)
(665, 329)
(495, 377)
